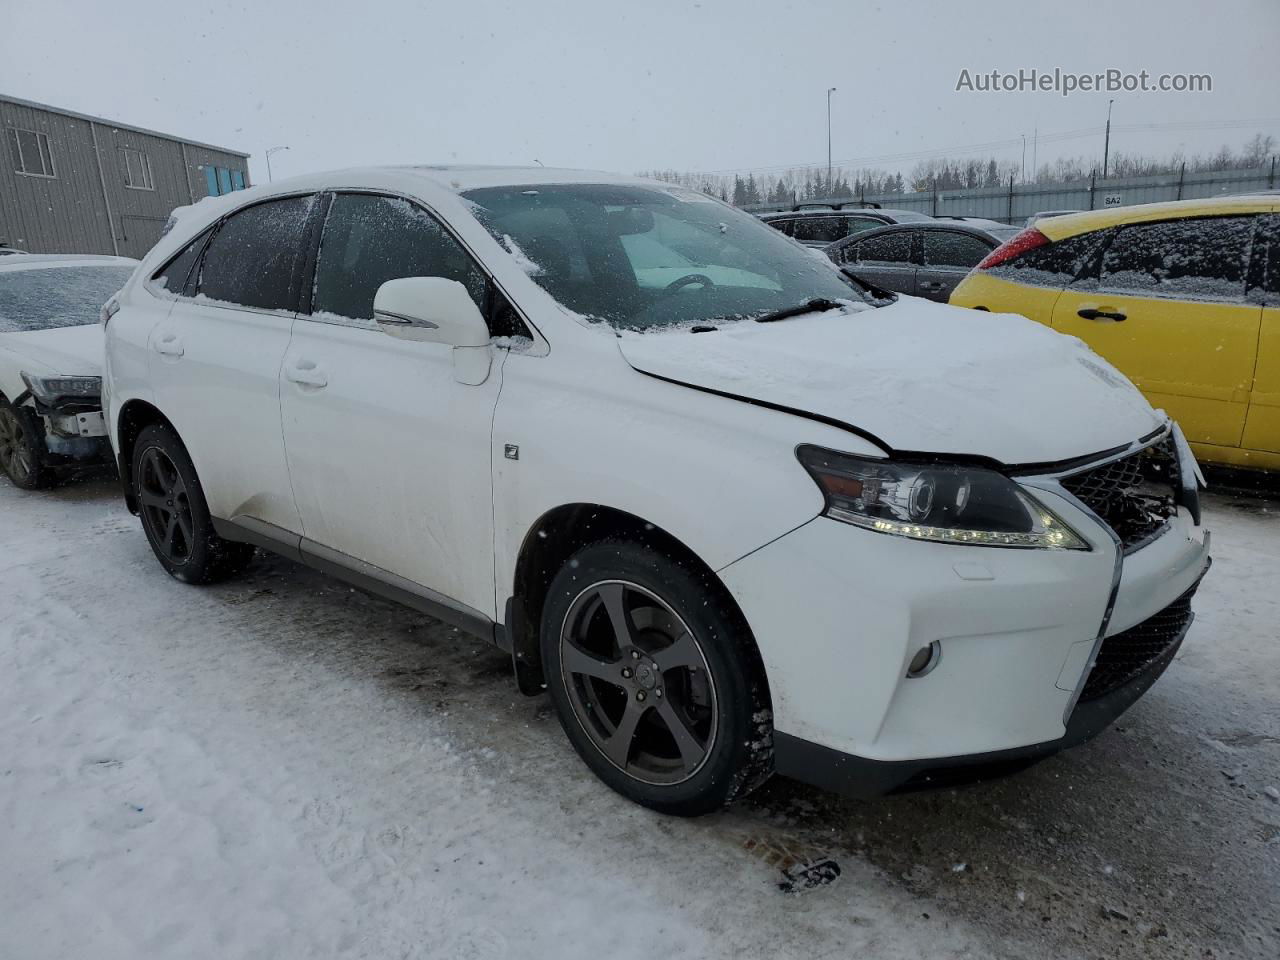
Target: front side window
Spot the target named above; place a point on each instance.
(890, 248)
(47, 297)
(1197, 259)
(782, 225)
(943, 248)
(252, 259)
(820, 229)
(137, 170)
(641, 257)
(371, 239)
(30, 152)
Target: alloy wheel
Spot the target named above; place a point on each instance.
(638, 682)
(166, 508)
(15, 455)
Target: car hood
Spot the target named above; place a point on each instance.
(917, 377)
(70, 351)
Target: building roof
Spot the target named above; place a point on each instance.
(122, 126)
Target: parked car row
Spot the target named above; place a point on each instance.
(738, 511)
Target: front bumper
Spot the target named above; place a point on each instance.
(838, 613)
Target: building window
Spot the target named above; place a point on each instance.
(137, 170)
(31, 153)
(219, 180)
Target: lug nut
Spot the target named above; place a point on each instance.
(635, 654)
(626, 673)
(658, 692)
(640, 695)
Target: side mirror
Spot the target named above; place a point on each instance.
(431, 310)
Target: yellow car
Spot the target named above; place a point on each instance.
(1183, 297)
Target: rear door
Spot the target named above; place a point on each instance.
(947, 257)
(1168, 308)
(215, 359)
(885, 259)
(1262, 423)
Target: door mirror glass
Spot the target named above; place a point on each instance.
(429, 309)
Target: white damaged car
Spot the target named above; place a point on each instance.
(737, 514)
(51, 363)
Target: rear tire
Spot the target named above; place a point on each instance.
(22, 449)
(656, 679)
(175, 515)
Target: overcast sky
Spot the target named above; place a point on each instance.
(705, 86)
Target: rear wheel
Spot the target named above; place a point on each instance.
(656, 680)
(22, 449)
(175, 515)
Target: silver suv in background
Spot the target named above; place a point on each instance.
(817, 225)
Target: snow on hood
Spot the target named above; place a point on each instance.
(70, 351)
(919, 376)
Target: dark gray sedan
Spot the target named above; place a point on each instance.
(922, 259)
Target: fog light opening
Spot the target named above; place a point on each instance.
(924, 661)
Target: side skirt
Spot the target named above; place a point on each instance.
(363, 575)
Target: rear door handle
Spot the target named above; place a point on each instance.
(307, 373)
(931, 284)
(1089, 313)
(169, 345)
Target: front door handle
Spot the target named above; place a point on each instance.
(931, 284)
(307, 373)
(1090, 313)
(168, 345)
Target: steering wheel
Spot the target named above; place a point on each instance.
(676, 286)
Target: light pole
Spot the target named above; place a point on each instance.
(1106, 143)
(1024, 158)
(830, 91)
(270, 151)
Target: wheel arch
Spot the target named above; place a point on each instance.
(547, 546)
(134, 417)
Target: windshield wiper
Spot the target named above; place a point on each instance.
(816, 305)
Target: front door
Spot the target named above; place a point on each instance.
(389, 454)
(215, 360)
(1168, 308)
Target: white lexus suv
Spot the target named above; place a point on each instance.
(736, 513)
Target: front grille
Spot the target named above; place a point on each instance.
(1124, 656)
(1135, 495)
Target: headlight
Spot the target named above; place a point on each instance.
(940, 502)
(49, 389)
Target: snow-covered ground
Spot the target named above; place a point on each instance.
(282, 767)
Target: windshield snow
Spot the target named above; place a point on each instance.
(48, 297)
(643, 257)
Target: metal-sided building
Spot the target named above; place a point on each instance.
(72, 183)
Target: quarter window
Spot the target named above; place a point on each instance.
(252, 259)
(944, 248)
(1198, 259)
(891, 248)
(137, 170)
(174, 275)
(31, 153)
(369, 240)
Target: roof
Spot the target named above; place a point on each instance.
(40, 260)
(1068, 225)
(997, 234)
(122, 126)
(846, 212)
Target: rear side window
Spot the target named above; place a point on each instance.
(819, 229)
(891, 248)
(1059, 264)
(253, 258)
(854, 225)
(369, 240)
(1198, 259)
(173, 276)
(942, 248)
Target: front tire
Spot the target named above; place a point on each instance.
(655, 678)
(175, 515)
(22, 449)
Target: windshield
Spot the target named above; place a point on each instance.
(641, 257)
(47, 297)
